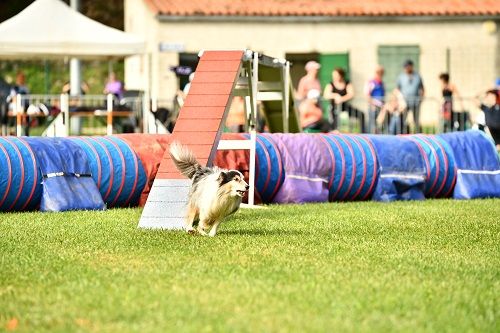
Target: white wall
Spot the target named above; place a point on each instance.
(473, 50)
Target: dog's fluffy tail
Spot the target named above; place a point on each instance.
(184, 159)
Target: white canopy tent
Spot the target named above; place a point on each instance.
(51, 29)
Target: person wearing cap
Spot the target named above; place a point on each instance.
(309, 81)
(411, 87)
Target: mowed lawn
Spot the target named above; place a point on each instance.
(355, 267)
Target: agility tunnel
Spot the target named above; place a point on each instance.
(477, 164)
(56, 174)
(338, 167)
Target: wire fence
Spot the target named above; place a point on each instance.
(428, 115)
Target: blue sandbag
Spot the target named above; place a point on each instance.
(67, 183)
(478, 164)
(20, 178)
(115, 168)
(402, 169)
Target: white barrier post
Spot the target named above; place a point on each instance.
(19, 115)
(251, 176)
(65, 112)
(109, 114)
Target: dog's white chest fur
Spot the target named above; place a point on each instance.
(214, 204)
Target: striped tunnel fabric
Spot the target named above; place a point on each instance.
(116, 169)
(269, 174)
(441, 170)
(354, 167)
(20, 178)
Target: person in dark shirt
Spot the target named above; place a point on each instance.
(340, 92)
(491, 108)
(452, 120)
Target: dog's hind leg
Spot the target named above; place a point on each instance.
(191, 215)
(213, 231)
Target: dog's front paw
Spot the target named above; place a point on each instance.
(201, 231)
(190, 231)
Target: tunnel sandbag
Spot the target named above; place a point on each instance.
(115, 168)
(306, 168)
(149, 149)
(402, 169)
(67, 182)
(20, 177)
(354, 167)
(440, 165)
(477, 162)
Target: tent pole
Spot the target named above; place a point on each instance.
(147, 91)
(75, 80)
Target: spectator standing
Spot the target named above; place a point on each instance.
(375, 91)
(449, 92)
(340, 91)
(309, 81)
(411, 87)
(114, 86)
(491, 108)
(19, 88)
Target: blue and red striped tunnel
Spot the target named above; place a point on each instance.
(290, 168)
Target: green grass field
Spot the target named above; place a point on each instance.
(363, 267)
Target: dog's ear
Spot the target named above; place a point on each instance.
(223, 178)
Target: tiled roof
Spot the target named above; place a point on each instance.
(325, 7)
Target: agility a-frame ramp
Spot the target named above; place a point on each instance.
(219, 76)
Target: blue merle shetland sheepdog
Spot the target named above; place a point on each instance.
(215, 193)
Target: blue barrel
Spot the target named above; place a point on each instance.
(441, 170)
(354, 167)
(115, 168)
(269, 171)
(20, 178)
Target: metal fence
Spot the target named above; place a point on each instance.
(429, 115)
(106, 114)
(87, 114)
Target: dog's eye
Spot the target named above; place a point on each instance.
(237, 179)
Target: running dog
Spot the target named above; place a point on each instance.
(215, 193)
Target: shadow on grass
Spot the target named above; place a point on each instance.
(262, 232)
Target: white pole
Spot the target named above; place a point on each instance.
(19, 115)
(251, 176)
(109, 116)
(75, 78)
(286, 97)
(146, 96)
(255, 84)
(65, 112)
